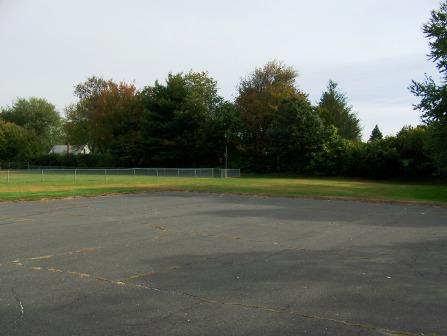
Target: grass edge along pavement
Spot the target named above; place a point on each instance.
(304, 187)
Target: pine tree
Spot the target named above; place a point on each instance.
(376, 134)
(335, 110)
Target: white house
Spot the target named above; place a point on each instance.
(70, 149)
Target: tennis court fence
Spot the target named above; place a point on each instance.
(107, 174)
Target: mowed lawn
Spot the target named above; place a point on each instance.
(33, 186)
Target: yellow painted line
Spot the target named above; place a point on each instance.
(140, 275)
(45, 257)
(119, 283)
(42, 257)
(15, 219)
(81, 275)
(101, 279)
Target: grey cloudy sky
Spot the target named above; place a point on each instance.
(373, 48)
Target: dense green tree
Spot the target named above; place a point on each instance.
(380, 159)
(16, 143)
(331, 157)
(436, 146)
(259, 96)
(376, 134)
(76, 125)
(226, 132)
(180, 123)
(412, 145)
(83, 119)
(433, 104)
(38, 116)
(402, 155)
(159, 129)
(335, 110)
(295, 132)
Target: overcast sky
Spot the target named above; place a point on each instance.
(373, 48)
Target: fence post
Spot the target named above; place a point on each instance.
(8, 175)
(156, 171)
(41, 176)
(134, 172)
(75, 175)
(195, 172)
(178, 171)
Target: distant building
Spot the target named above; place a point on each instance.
(70, 149)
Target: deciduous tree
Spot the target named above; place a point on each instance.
(16, 143)
(38, 116)
(107, 117)
(433, 94)
(259, 96)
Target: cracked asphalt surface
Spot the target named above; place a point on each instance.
(207, 264)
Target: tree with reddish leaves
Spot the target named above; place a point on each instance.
(107, 118)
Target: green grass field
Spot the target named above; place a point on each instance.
(25, 186)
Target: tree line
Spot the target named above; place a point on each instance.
(271, 126)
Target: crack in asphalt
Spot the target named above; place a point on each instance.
(363, 326)
(124, 283)
(204, 234)
(21, 309)
(23, 218)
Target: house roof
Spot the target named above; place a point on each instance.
(74, 149)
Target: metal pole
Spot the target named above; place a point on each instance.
(8, 175)
(226, 157)
(41, 176)
(226, 160)
(75, 176)
(178, 172)
(105, 175)
(134, 172)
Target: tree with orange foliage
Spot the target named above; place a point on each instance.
(260, 94)
(107, 118)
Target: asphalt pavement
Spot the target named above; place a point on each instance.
(173, 263)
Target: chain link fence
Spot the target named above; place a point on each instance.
(75, 175)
